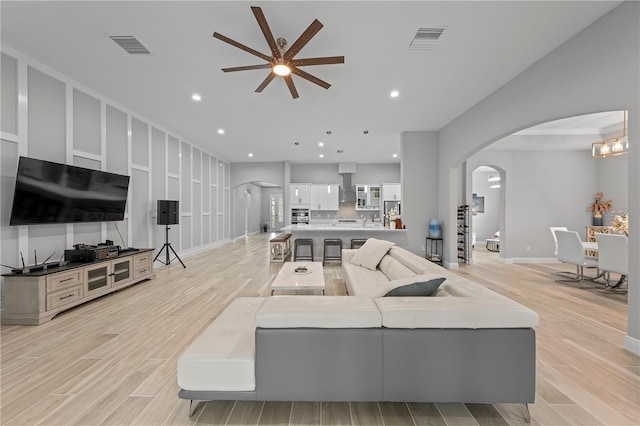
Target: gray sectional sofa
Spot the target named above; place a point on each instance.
(465, 343)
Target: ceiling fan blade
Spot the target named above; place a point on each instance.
(318, 61)
(311, 78)
(291, 86)
(242, 46)
(266, 31)
(266, 82)
(247, 68)
(303, 39)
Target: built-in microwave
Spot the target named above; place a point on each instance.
(299, 216)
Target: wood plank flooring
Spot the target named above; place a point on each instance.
(113, 361)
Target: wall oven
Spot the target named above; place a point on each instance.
(299, 216)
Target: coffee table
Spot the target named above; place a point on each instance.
(288, 279)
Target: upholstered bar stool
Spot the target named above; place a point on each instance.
(332, 250)
(356, 243)
(303, 249)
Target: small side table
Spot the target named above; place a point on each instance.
(493, 244)
(434, 250)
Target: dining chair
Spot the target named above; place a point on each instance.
(571, 250)
(553, 230)
(613, 256)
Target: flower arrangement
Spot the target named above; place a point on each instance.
(621, 223)
(264, 225)
(599, 206)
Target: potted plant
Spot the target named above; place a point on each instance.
(598, 207)
(264, 225)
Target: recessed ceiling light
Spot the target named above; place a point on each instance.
(221, 131)
(251, 154)
(196, 97)
(320, 143)
(395, 155)
(321, 156)
(394, 94)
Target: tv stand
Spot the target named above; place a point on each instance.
(36, 297)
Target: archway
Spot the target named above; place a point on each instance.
(255, 204)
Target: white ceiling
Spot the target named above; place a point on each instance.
(484, 45)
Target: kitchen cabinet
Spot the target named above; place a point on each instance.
(300, 194)
(391, 192)
(368, 197)
(324, 197)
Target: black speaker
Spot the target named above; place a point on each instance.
(167, 212)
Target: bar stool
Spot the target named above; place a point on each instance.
(303, 249)
(332, 245)
(356, 243)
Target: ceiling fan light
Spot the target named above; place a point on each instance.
(281, 70)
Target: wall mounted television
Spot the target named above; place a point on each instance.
(48, 192)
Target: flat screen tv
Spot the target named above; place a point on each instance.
(48, 192)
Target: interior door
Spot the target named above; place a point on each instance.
(277, 212)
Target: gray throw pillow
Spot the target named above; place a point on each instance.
(422, 288)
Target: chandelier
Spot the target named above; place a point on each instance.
(610, 147)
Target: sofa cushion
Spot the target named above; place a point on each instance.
(454, 312)
(222, 358)
(369, 255)
(417, 264)
(318, 312)
(394, 269)
(417, 288)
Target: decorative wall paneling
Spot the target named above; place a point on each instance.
(47, 115)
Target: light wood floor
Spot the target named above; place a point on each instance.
(113, 361)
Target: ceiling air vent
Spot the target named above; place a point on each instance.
(131, 45)
(426, 38)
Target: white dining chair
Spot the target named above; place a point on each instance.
(553, 230)
(571, 250)
(613, 256)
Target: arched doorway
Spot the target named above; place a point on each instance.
(256, 204)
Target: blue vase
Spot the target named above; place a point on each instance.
(434, 228)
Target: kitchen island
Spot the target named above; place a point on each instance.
(345, 231)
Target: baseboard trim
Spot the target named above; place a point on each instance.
(192, 252)
(632, 344)
(534, 260)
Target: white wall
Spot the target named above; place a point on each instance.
(419, 186)
(48, 116)
(565, 83)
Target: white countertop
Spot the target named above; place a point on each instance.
(342, 227)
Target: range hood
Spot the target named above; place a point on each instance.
(347, 190)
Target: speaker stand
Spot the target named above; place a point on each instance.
(166, 247)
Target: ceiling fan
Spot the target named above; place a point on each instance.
(282, 62)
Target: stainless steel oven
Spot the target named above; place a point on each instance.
(299, 216)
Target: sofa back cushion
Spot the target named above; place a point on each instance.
(412, 261)
(394, 269)
(371, 253)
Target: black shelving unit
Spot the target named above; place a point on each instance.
(434, 250)
(464, 242)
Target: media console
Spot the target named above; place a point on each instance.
(36, 297)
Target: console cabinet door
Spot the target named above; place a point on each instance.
(97, 279)
(122, 271)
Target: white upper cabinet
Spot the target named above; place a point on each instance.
(324, 197)
(368, 197)
(391, 192)
(300, 194)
